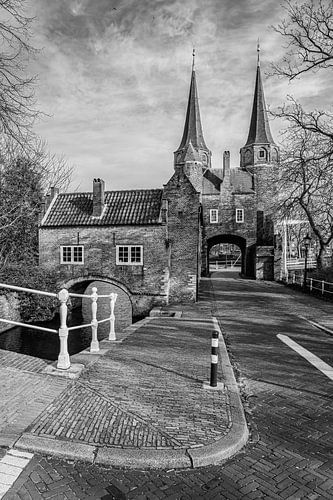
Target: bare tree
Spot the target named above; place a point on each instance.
(308, 32)
(54, 170)
(17, 113)
(24, 181)
(305, 185)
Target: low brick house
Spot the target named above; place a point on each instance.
(152, 246)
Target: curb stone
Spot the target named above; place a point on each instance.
(317, 325)
(238, 433)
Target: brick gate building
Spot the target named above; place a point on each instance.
(153, 245)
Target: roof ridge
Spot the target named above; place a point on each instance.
(112, 191)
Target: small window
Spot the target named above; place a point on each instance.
(72, 254)
(129, 255)
(214, 216)
(239, 215)
(262, 153)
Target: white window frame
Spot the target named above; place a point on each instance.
(72, 252)
(130, 262)
(213, 216)
(239, 215)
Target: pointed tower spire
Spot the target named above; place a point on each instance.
(193, 129)
(260, 142)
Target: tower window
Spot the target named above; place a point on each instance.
(239, 215)
(262, 153)
(213, 216)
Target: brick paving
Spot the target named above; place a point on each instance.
(123, 399)
(22, 362)
(287, 401)
(24, 395)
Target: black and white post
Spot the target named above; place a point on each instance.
(214, 359)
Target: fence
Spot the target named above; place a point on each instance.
(319, 287)
(63, 362)
(220, 265)
(300, 263)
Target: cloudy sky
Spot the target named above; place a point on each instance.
(114, 78)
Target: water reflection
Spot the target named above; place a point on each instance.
(46, 344)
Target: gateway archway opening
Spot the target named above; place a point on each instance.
(228, 252)
(225, 257)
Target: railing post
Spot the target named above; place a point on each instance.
(113, 298)
(214, 359)
(310, 284)
(94, 345)
(322, 287)
(63, 358)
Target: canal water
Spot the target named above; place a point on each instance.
(46, 345)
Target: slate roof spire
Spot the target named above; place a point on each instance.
(260, 132)
(193, 133)
(260, 147)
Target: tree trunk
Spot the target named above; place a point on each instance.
(320, 257)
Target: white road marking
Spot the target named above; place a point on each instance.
(11, 466)
(309, 356)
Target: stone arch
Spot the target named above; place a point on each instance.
(123, 308)
(247, 265)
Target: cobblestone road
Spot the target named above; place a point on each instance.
(288, 404)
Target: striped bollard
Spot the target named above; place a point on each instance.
(113, 298)
(94, 345)
(214, 359)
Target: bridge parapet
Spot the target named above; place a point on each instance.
(63, 296)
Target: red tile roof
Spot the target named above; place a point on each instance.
(136, 207)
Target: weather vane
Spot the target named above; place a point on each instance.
(258, 51)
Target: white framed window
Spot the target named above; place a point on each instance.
(262, 153)
(72, 254)
(129, 255)
(213, 216)
(239, 215)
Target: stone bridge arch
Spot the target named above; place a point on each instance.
(123, 308)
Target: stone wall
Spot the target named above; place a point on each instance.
(9, 309)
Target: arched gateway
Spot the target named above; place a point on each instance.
(247, 254)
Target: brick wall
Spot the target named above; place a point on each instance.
(227, 225)
(183, 235)
(100, 257)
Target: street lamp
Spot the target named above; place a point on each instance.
(306, 243)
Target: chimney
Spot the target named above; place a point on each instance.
(49, 197)
(54, 192)
(226, 167)
(98, 197)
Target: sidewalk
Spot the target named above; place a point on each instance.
(141, 402)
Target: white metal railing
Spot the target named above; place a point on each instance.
(300, 263)
(63, 362)
(219, 266)
(321, 286)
